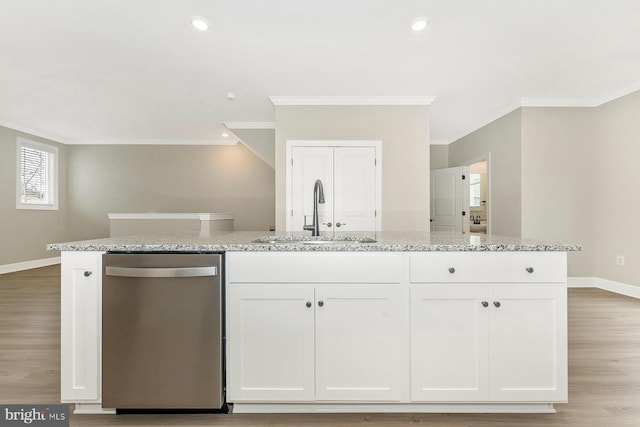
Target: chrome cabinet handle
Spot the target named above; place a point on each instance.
(161, 272)
(309, 304)
(529, 269)
(87, 273)
(328, 224)
(497, 304)
(452, 270)
(339, 224)
(485, 304)
(320, 303)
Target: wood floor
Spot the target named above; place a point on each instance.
(604, 367)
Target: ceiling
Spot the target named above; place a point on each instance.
(81, 71)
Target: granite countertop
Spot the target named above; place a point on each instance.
(243, 241)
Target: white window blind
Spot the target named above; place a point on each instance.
(37, 184)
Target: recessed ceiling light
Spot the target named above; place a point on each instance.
(199, 23)
(231, 96)
(419, 24)
(225, 135)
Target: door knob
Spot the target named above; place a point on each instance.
(485, 304)
(529, 269)
(328, 224)
(497, 304)
(320, 303)
(339, 224)
(452, 270)
(309, 304)
(87, 273)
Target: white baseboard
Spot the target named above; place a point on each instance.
(605, 284)
(28, 265)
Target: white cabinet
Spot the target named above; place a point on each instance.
(328, 339)
(271, 343)
(358, 343)
(81, 319)
(302, 343)
(504, 341)
(350, 177)
(449, 345)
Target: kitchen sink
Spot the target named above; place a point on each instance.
(314, 240)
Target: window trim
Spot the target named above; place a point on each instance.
(53, 185)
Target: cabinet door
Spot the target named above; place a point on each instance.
(358, 343)
(271, 344)
(310, 164)
(528, 344)
(449, 350)
(355, 188)
(80, 325)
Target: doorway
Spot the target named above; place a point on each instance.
(479, 200)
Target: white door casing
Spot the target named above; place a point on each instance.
(449, 199)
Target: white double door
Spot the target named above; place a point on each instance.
(348, 176)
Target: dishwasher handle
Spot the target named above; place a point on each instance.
(161, 272)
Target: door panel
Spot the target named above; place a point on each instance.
(449, 198)
(355, 188)
(449, 352)
(271, 342)
(358, 343)
(528, 348)
(310, 164)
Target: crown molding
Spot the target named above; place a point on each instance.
(351, 100)
(33, 132)
(559, 102)
(249, 125)
(153, 142)
(439, 142)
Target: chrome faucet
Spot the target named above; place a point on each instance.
(318, 197)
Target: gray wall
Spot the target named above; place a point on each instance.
(261, 141)
(501, 139)
(164, 178)
(439, 156)
(558, 180)
(617, 196)
(25, 233)
(404, 132)
(576, 174)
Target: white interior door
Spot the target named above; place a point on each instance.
(450, 199)
(350, 172)
(310, 164)
(355, 188)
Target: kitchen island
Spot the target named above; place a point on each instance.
(408, 322)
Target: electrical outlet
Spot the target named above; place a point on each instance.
(620, 259)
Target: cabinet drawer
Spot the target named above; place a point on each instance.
(488, 267)
(294, 267)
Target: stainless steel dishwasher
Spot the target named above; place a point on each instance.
(162, 326)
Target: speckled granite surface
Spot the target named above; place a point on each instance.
(244, 241)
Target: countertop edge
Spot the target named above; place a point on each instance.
(87, 247)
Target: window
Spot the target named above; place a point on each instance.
(37, 175)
